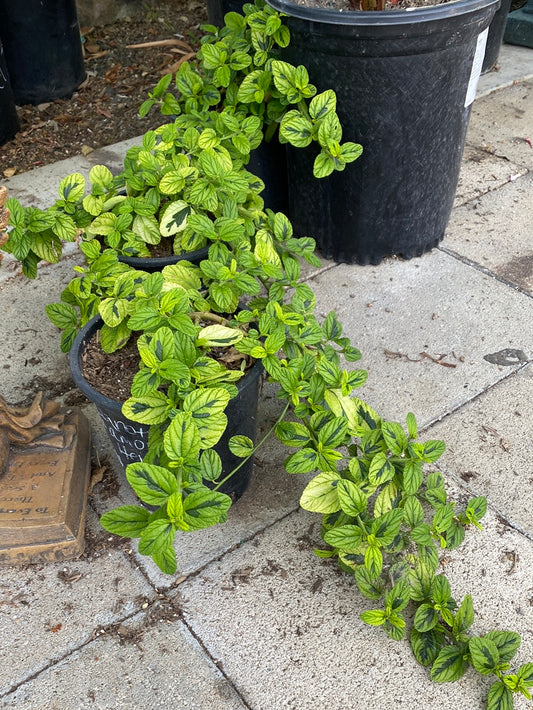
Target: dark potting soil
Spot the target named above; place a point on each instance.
(112, 374)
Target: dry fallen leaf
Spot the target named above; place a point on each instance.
(9, 172)
(86, 149)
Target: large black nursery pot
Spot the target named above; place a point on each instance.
(495, 36)
(130, 439)
(405, 80)
(43, 49)
(9, 124)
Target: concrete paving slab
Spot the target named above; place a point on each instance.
(496, 232)
(514, 65)
(46, 611)
(482, 172)
(501, 122)
(30, 345)
(284, 625)
(133, 666)
(424, 327)
(491, 447)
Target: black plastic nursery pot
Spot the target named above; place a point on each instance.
(130, 439)
(9, 124)
(405, 81)
(216, 9)
(152, 264)
(269, 162)
(495, 36)
(43, 49)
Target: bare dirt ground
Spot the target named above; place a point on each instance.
(104, 110)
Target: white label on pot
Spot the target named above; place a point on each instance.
(476, 67)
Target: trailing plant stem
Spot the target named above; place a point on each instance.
(256, 447)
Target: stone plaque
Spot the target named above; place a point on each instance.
(43, 484)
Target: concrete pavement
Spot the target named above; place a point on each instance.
(253, 620)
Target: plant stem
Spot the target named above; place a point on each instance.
(205, 315)
(257, 446)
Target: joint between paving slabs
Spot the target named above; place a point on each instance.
(484, 270)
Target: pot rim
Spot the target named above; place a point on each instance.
(382, 17)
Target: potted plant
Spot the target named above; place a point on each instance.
(405, 79)
(178, 189)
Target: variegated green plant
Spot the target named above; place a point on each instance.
(238, 88)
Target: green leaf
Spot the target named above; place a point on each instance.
(182, 439)
(347, 538)
(426, 645)
(333, 433)
(126, 520)
(292, 434)
(241, 446)
(464, 617)
(449, 665)
(351, 498)
(320, 494)
(525, 674)
(484, 654)
(394, 436)
(174, 218)
(412, 477)
(151, 409)
(153, 484)
(455, 534)
(477, 507)
(433, 450)
(399, 596)
(303, 461)
(440, 589)
(373, 560)
(166, 560)
(323, 166)
(443, 517)
(146, 228)
(375, 617)
(113, 310)
(386, 499)
(156, 537)
(420, 580)
(413, 513)
(219, 336)
(387, 526)
(101, 175)
(210, 465)
(296, 129)
(205, 508)
(426, 618)
(412, 427)
(381, 470)
(206, 403)
(322, 104)
(369, 586)
(72, 188)
(62, 315)
(500, 697)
